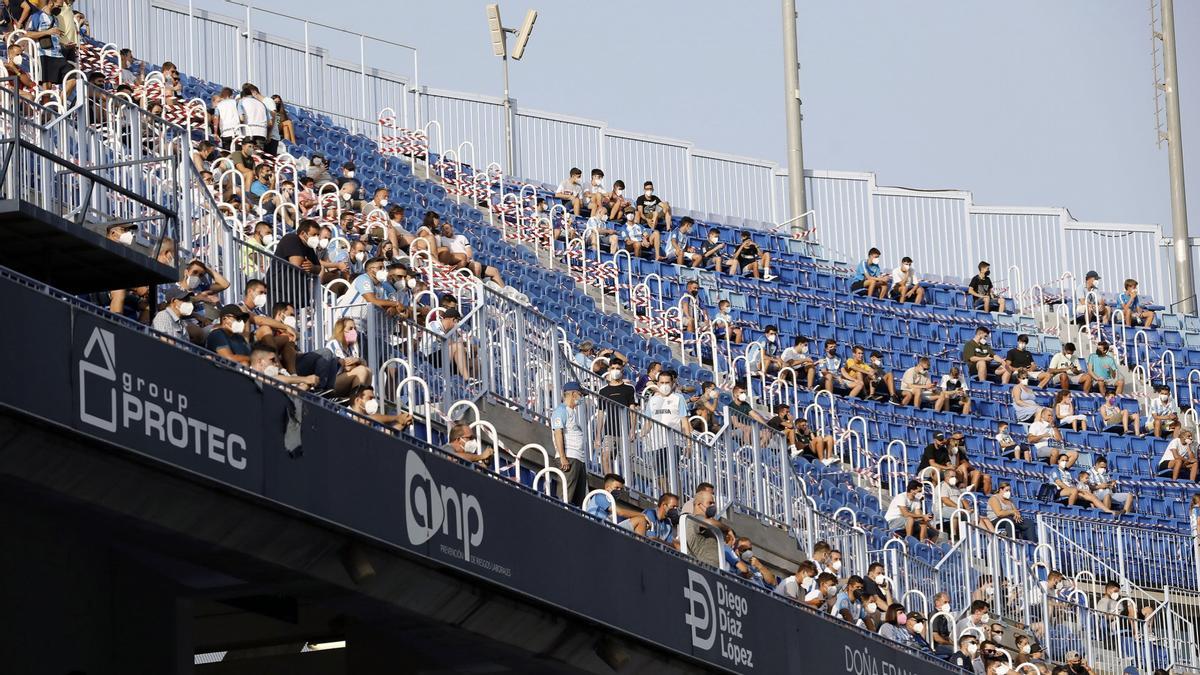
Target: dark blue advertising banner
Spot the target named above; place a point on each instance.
(132, 390)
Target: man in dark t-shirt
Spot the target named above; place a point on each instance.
(980, 290)
(299, 247)
(650, 209)
(616, 399)
(227, 339)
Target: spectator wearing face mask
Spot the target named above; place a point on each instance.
(343, 344)
(978, 356)
(650, 208)
(704, 408)
(1179, 458)
(749, 566)
(602, 507)
(800, 585)
(712, 250)
(847, 604)
(1076, 665)
(948, 495)
(981, 291)
(876, 589)
(644, 381)
(968, 647)
(567, 426)
(1162, 413)
(916, 627)
(639, 239)
(996, 665)
(880, 378)
(904, 513)
(170, 320)
(916, 387)
(693, 306)
(976, 621)
(658, 523)
(939, 625)
(1019, 358)
(798, 359)
(812, 445)
(723, 324)
(675, 244)
(906, 287)
(769, 360)
(1008, 446)
(465, 445)
(300, 247)
(702, 543)
(1067, 369)
(1115, 419)
(228, 338)
(1001, 506)
(617, 399)
(1104, 371)
(1104, 487)
(668, 408)
(870, 278)
(373, 287)
(895, 626)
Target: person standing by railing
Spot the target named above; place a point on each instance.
(566, 426)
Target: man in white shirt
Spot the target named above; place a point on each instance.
(567, 427)
(1039, 434)
(595, 194)
(668, 408)
(905, 512)
(227, 120)
(256, 117)
(570, 192)
(906, 287)
(1067, 369)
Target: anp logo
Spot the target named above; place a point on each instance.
(429, 508)
(703, 622)
(103, 342)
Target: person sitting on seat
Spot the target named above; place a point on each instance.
(869, 277)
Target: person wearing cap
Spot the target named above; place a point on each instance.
(905, 514)
(567, 426)
(1076, 665)
(169, 320)
(1104, 370)
(264, 359)
(373, 287)
(1092, 305)
(122, 233)
(228, 338)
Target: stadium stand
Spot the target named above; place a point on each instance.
(745, 397)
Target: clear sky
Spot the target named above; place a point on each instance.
(1023, 102)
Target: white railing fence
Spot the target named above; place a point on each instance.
(944, 231)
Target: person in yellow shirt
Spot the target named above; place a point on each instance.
(857, 373)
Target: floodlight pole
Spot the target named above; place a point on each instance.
(509, 167)
(1185, 282)
(791, 87)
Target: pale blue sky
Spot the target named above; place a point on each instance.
(1023, 102)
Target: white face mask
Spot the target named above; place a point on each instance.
(271, 370)
(985, 618)
(772, 338)
(381, 276)
(383, 203)
(649, 192)
(126, 237)
(664, 389)
(411, 283)
(953, 480)
(1007, 494)
(614, 376)
(18, 59)
(371, 407)
(1002, 669)
(349, 174)
(289, 321)
(807, 583)
(741, 397)
(185, 308)
(260, 300)
(1062, 465)
(323, 242)
(192, 282)
(872, 608)
(620, 191)
(836, 566)
(313, 241)
(832, 591)
(360, 256)
(1099, 470)
(345, 197)
(268, 239)
(880, 579)
(918, 627)
(1114, 595)
(472, 446)
(944, 607)
(971, 649)
(238, 326)
(1025, 649)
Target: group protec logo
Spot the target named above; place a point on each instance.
(701, 614)
(430, 508)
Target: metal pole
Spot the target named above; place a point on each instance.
(362, 74)
(1185, 283)
(192, 42)
(249, 47)
(791, 90)
(510, 168)
(307, 69)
